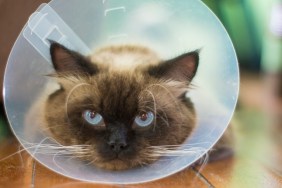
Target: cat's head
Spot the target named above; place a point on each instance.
(120, 113)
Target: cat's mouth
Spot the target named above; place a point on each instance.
(116, 163)
(117, 157)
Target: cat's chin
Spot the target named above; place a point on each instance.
(119, 164)
(116, 164)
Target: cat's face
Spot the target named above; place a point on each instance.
(121, 115)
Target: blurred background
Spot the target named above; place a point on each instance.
(255, 27)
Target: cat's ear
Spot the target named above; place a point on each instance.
(182, 68)
(68, 61)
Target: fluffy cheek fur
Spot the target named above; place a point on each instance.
(174, 122)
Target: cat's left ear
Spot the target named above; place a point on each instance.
(68, 61)
(182, 68)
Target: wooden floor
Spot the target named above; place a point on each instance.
(253, 165)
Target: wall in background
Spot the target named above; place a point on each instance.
(13, 15)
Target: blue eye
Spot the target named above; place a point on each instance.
(144, 119)
(92, 117)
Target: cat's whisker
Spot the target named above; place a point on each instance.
(72, 157)
(192, 86)
(91, 162)
(20, 155)
(53, 149)
(41, 142)
(79, 97)
(172, 96)
(55, 126)
(69, 94)
(177, 150)
(184, 145)
(203, 161)
(165, 121)
(142, 163)
(54, 161)
(177, 146)
(160, 151)
(155, 107)
(49, 149)
(160, 115)
(169, 92)
(11, 155)
(166, 118)
(85, 105)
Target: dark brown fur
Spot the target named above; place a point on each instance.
(119, 95)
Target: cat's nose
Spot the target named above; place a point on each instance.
(118, 146)
(118, 138)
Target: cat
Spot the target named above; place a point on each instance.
(123, 104)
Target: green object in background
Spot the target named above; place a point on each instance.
(238, 17)
(248, 23)
(239, 28)
(272, 55)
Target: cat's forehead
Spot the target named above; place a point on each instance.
(124, 57)
(119, 95)
(115, 83)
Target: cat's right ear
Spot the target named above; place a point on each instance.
(182, 68)
(67, 61)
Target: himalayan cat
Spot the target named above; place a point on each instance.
(121, 104)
